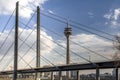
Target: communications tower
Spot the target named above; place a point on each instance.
(68, 32)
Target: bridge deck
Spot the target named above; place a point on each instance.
(100, 65)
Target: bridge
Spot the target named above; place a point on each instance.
(71, 63)
(100, 65)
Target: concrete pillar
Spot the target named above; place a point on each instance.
(116, 73)
(78, 75)
(68, 75)
(52, 76)
(38, 76)
(60, 76)
(97, 74)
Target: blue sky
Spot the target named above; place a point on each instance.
(90, 12)
(103, 15)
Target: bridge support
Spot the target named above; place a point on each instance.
(78, 75)
(116, 73)
(68, 75)
(52, 76)
(37, 76)
(97, 74)
(60, 75)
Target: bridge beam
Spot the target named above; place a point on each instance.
(70, 67)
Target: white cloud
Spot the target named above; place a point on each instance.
(108, 16)
(113, 17)
(7, 7)
(90, 14)
(92, 42)
(116, 14)
(24, 48)
(50, 11)
(45, 39)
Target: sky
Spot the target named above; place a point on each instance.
(100, 17)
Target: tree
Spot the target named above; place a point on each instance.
(116, 56)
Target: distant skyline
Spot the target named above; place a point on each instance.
(101, 15)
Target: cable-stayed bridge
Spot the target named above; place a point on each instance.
(39, 46)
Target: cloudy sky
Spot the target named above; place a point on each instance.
(94, 24)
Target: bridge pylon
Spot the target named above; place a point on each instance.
(38, 43)
(16, 42)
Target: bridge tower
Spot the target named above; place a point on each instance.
(16, 42)
(68, 32)
(38, 43)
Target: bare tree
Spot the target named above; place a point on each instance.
(116, 56)
(117, 42)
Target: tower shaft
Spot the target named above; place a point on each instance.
(67, 33)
